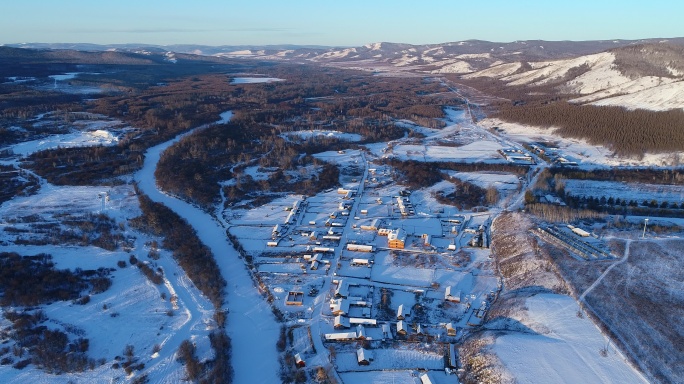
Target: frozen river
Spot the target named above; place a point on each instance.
(251, 325)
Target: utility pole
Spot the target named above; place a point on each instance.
(644, 233)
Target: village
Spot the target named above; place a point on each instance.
(375, 277)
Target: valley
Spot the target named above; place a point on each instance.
(374, 214)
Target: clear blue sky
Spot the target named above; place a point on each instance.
(341, 22)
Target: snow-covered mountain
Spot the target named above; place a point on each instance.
(631, 73)
(649, 76)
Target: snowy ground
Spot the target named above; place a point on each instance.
(501, 181)
(253, 80)
(626, 191)
(562, 347)
(304, 135)
(479, 151)
(96, 130)
(133, 310)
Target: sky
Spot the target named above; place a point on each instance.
(333, 23)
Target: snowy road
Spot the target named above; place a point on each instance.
(250, 325)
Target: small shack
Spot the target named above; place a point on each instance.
(299, 362)
(401, 328)
(453, 296)
(402, 312)
(451, 331)
(425, 379)
(363, 356)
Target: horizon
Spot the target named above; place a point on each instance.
(309, 23)
(143, 44)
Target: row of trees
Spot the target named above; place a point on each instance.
(187, 249)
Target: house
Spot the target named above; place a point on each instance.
(420, 330)
(402, 207)
(339, 306)
(396, 239)
(451, 331)
(359, 320)
(384, 231)
(341, 336)
(294, 298)
(386, 333)
(363, 356)
(360, 248)
(299, 362)
(360, 262)
(342, 289)
(401, 328)
(452, 357)
(341, 322)
(373, 226)
(360, 332)
(454, 297)
(401, 314)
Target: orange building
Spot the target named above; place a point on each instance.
(396, 239)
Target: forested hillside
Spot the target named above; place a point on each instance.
(625, 132)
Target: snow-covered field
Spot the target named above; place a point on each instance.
(97, 130)
(77, 139)
(253, 80)
(626, 191)
(379, 377)
(479, 151)
(562, 347)
(501, 181)
(132, 311)
(304, 135)
(392, 359)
